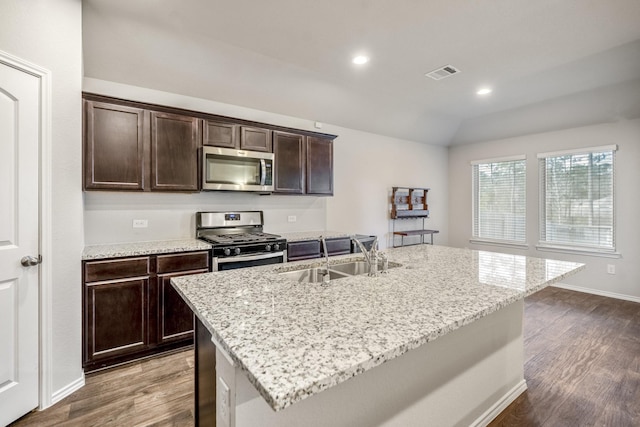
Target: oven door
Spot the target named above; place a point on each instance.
(238, 170)
(251, 260)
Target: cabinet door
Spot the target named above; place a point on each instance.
(289, 150)
(116, 318)
(303, 250)
(113, 147)
(219, 134)
(319, 165)
(175, 318)
(255, 139)
(174, 152)
(338, 246)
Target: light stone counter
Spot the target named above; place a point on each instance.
(294, 340)
(143, 248)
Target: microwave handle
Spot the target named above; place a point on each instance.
(263, 172)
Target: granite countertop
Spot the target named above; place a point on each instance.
(117, 250)
(294, 340)
(312, 235)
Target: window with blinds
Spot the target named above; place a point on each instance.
(499, 200)
(577, 199)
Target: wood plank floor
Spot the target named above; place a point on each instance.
(582, 365)
(582, 362)
(153, 392)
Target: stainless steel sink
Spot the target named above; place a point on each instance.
(359, 267)
(312, 275)
(337, 271)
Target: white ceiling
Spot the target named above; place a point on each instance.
(293, 57)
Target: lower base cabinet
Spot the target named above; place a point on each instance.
(309, 249)
(130, 309)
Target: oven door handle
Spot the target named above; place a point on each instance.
(240, 258)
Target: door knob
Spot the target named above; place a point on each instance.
(28, 261)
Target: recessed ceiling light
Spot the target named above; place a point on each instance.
(360, 59)
(484, 91)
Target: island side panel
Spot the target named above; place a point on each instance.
(205, 377)
(463, 378)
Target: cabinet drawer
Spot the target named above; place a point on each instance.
(95, 271)
(303, 250)
(183, 262)
(339, 246)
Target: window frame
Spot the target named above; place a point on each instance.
(476, 239)
(574, 248)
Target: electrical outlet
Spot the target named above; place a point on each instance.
(611, 268)
(224, 403)
(140, 223)
(292, 218)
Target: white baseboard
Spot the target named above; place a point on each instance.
(67, 390)
(495, 410)
(598, 292)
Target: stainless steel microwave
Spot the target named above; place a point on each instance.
(236, 170)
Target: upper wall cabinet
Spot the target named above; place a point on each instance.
(134, 146)
(255, 139)
(304, 164)
(229, 135)
(113, 147)
(289, 150)
(319, 173)
(129, 148)
(174, 152)
(219, 134)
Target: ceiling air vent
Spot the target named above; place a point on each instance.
(442, 72)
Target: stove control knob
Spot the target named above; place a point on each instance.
(267, 248)
(276, 247)
(227, 251)
(236, 251)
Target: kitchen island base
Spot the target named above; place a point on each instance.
(466, 377)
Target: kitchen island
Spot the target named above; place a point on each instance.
(434, 341)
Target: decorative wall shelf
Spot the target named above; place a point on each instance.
(410, 203)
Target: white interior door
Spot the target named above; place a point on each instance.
(19, 228)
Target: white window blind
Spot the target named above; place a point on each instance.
(499, 203)
(577, 199)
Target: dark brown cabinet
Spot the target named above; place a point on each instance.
(174, 152)
(304, 164)
(255, 139)
(309, 249)
(219, 134)
(130, 309)
(338, 246)
(136, 149)
(319, 174)
(134, 146)
(305, 249)
(289, 151)
(175, 319)
(229, 135)
(114, 148)
(116, 306)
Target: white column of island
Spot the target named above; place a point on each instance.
(436, 341)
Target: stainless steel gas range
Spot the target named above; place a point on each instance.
(238, 240)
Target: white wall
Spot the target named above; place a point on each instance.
(48, 33)
(366, 166)
(626, 134)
